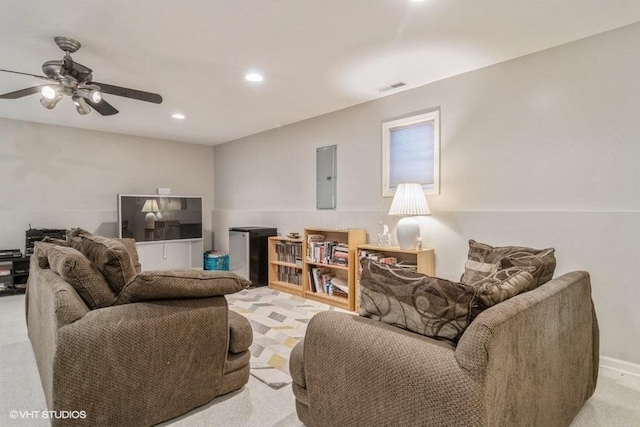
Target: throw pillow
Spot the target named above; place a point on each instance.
(130, 245)
(160, 285)
(503, 284)
(542, 265)
(74, 237)
(75, 269)
(484, 260)
(404, 298)
(110, 256)
(40, 252)
(59, 242)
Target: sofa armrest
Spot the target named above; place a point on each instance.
(536, 352)
(240, 333)
(359, 371)
(157, 358)
(52, 304)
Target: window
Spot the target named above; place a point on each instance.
(411, 153)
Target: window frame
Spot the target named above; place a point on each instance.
(387, 127)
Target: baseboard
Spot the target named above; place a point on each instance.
(619, 365)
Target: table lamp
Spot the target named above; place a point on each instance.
(408, 202)
(150, 206)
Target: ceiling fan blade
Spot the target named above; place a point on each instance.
(27, 74)
(76, 70)
(102, 107)
(21, 93)
(129, 93)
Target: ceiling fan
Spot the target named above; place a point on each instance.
(70, 78)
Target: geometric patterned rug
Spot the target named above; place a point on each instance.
(279, 321)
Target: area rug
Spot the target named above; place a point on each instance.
(279, 322)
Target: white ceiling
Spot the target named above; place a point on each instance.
(317, 56)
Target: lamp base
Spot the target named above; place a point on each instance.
(150, 221)
(408, 233)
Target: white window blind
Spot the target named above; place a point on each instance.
(411, 153)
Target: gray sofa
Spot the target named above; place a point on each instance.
(132, 362)
(531, 360)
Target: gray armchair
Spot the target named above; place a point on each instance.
(530, 360)
(137, 363)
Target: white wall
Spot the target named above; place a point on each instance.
(539, 151)
(60, 177)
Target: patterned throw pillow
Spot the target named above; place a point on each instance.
(404, 298)
(110, 256)
(542, 265)
(483, 260)
(75, 269)
(502, 285)
(159, 285)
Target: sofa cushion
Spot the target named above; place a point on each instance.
(75, 269)
(484, 260)
(503, 284)
(427, 305)
(108, 255)
(159, 285)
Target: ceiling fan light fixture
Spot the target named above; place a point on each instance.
(81, 105)
(50, 103)
(48, 92)
(95, 96)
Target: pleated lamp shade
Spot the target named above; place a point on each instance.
(409, 200)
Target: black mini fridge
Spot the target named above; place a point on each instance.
(249, 253)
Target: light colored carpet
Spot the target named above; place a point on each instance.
(614, 404)
(279, 321)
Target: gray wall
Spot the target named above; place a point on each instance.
(539, 151)
(59, 177)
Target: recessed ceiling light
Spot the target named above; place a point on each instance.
(178, 116)
(254, 77)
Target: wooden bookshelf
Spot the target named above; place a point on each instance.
(349, 240)
(279, 266)
(424, 259)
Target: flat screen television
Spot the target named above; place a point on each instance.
(154, 218)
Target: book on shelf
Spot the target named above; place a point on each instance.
(334, 253)
(290, 252)
(323, 280)
(386, 259)
(407, 264)
(291, 275)
(378, 256)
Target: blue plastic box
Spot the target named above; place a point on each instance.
(216, 261)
